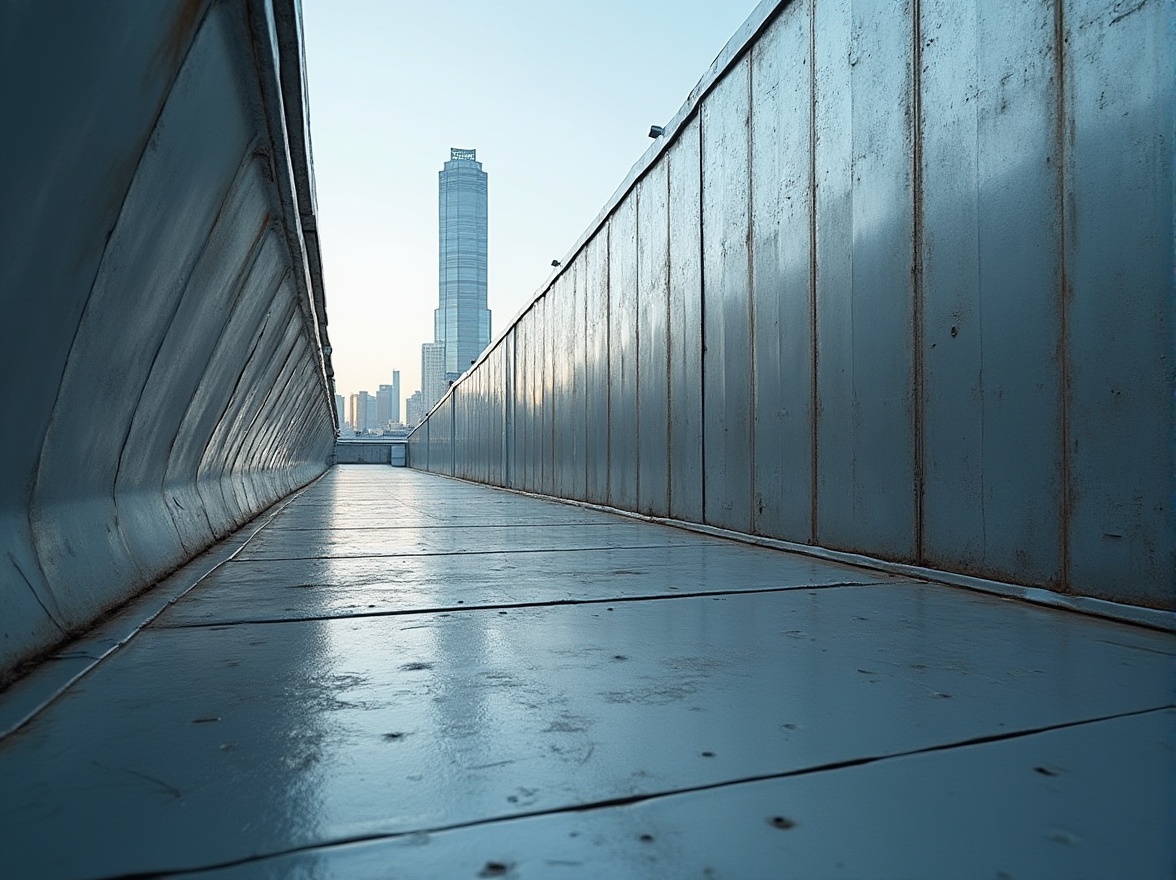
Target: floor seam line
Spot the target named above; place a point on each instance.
(461, 553)
(281, 504)
(554, 603)
(436, 526)
(642, 798)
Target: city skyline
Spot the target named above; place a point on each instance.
(385, 104)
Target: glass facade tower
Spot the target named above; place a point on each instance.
(462, 321)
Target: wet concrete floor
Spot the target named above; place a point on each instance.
(404, 676)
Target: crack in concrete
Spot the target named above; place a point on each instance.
(36, 595)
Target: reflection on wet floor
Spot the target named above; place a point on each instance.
(404, 675)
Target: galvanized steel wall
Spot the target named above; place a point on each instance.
(163, 323)
(897, 281)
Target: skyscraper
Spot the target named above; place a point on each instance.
(383, 406)
(433, 382)
(362, 412)
(462, 321)
(395, 417)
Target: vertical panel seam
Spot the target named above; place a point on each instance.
(637, 342)
(587, 275)
(917, 269)
(608, 362)
(752, 398)
(1063, 289)
(702, 470)
(669, 341)
(814, 397)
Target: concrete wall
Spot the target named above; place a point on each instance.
(163, 334)
(389, 452)
(897, 281)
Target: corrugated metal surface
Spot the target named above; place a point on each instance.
(896, 281)
(165, 376)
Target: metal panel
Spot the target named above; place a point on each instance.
(564, 445)
(443, 439)
(469, 429)
(463, 429)
(272, 350)
(1119, 90)
(83, 548)
(497, 394)
(510, 413)
(653, 258)
(538, 436)
(685, 328)
(622, 355)
(991, 263)
(866, 475)
(63, 181)
(537, 379)
(595, 257)
(727, 333)
(418, 447)
(539, 440)
(782, 373)
(177, 372)
(490, 438)
(577, 414)
(245, 318)
(525, 411)
(547, 369)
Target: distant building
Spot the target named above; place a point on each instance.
(371, 419)
(395, 415)
(384, 398)
(433, 383)
(414, 409)
(362, 411)
(341, 409)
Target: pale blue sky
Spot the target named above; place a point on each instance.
(556, 97)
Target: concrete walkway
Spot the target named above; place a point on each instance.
(404, 676)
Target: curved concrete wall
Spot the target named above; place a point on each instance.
(896, 282)
(163, 329)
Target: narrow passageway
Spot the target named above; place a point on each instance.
(403, 675)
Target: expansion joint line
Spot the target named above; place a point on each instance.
(629, 800)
